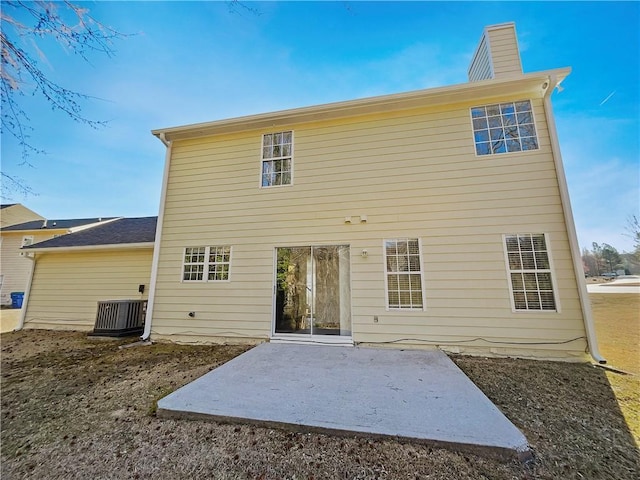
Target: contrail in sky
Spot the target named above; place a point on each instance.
(607, 99)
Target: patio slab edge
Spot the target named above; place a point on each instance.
(521, 453)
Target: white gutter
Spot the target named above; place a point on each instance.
(108, 246)
(27, 292)
(571, 228)
(167, 144)
(54, 230)
(156, 249)
(470, 91)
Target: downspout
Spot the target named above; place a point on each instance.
(585, 303)
(156, 246)
(27, 292)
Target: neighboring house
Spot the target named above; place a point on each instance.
(14, 213)
(14, 267)
(11, 214)
(72, 273)
(437, 217)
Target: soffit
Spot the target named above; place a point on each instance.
(530, 84)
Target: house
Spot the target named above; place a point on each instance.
(14, 213)
(24, 228)
(11, 214)
(437, 217)
(71, 273)
(433, 218)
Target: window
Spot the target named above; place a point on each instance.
(206, 264)
(277, 159)
(193, 268)
(530, 272)
(219, 261)
(403, 274)
(504, 127)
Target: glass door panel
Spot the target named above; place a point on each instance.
(313, 290)
(331, 298)
(293, 290)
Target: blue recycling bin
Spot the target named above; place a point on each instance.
(16, 299)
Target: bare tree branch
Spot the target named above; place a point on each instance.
(633, 232)
(238, 7)
(13, 185)
(23, 24)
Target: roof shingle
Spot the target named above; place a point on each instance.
(64, 224)
(118, 232)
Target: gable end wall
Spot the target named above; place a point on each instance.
(15, 268)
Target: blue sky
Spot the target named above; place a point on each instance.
(191, 62)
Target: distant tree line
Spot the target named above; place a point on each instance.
(604, 258)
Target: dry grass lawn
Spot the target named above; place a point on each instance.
(74, 408)
(617, 317)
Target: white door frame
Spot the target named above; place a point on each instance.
(299, 338)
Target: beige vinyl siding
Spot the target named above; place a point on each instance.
(505, 56)
(16, 214)
(67, 286)
(497, 54)
(480, 68)
(413, 174)
(13, 267)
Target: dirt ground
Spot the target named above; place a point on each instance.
(75, 408)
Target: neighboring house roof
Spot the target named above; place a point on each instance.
(120, 232)
(16, 213)
(66, 224)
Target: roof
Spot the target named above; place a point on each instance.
(121, 232)
(7, 205)
(537, 82)
(64, 224)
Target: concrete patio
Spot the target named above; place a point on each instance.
(409, 395)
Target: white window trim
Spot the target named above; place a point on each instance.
(535, 124)
(205, 273)
(293, 141)
(554, 283)
(386, 279)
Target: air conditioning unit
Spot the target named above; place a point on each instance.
(120, 318)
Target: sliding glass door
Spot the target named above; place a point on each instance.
(313, 291)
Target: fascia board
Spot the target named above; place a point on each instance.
(81, 248)
(527, 83)
(37, 230)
